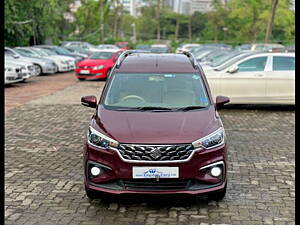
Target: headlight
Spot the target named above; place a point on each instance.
(98, 67)
(8, 69)
(212, 140)
(100, 140)
(64, 62)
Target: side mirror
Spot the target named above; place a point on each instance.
(221, 100)
(89, 101)
(16, 56)
(233, 69)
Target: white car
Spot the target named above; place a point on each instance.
(41, 65)
(12, 73)
(104, 46)
(261, 78)
(70, 61)
(28, 69)
(186, 47)
(62, 62)
(85, 45)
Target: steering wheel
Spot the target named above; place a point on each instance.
(132, 97)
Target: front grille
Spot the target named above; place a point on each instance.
(155, 152)
(156, 185)
(30, 68)
(85, 67)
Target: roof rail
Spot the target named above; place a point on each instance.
(125, 54)
(192, 59)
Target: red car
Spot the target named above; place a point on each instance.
(156, 130)
(122, 45)
(98, 65)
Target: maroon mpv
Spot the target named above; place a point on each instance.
(155, 130)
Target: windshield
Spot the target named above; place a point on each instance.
(40, 52)
(232, 61)
(25, 53)
(63, 51)
(171, 91)
(101, 55)
(48, 51)
(203, 51)
(223, 58)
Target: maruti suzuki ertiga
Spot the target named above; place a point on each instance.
(156, 130)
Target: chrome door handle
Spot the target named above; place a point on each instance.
(259, 75)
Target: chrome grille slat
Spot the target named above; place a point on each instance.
(157, 153)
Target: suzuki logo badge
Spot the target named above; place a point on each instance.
(155, 153)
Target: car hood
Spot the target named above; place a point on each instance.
(94, 62)
(18, 62)
(148, 127)
(61, 57)
(35, 60)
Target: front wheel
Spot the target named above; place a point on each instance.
(81, 79)
(38, 70)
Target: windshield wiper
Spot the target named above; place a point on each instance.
(154, 108)
(190, 108)
(126, 109)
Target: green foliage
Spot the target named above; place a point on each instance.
(45, 20)
(246, 21)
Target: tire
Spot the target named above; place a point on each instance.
(91, 194)
(81, 79)
(218, 196)
(107, 74)
(38, 69)
(56, 68)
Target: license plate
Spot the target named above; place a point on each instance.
(84, 71)
(155, 172)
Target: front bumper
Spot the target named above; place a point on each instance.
(49, 69)
(63, 68)
(93, 74)
(117, 176)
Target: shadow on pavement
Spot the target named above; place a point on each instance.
(155, 200)
(271, 107)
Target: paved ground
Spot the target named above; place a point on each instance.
(19, 93)
(44, 175)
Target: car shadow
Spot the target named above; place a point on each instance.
(155, 201)
(266, 107)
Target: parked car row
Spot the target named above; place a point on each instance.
(155, 48)
(87, 60)
(37, 60)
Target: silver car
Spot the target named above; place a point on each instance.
(26, 69)
(42, 66)
(12, 73)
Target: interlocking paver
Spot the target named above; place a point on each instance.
(44, 174)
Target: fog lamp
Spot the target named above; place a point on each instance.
(95, 171)
(216, 171)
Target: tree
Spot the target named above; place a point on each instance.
(158, 19)
(271, 20)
